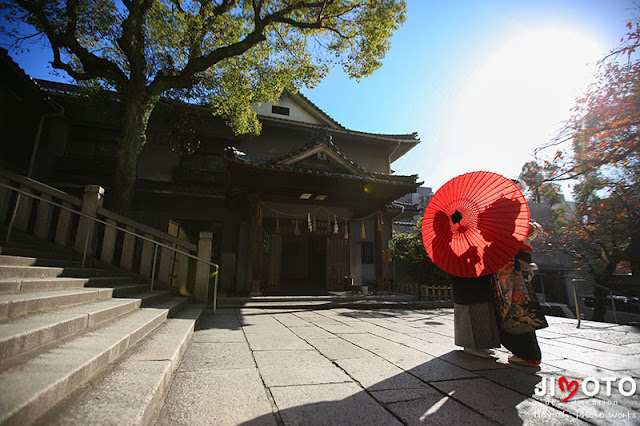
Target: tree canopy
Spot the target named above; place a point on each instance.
(226, 54)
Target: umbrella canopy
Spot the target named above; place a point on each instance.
(475, 224)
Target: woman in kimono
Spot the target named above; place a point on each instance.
(517, 310)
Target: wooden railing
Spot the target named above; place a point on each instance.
(436, 293)
(91, 230)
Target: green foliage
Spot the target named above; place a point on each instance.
(226, 54)
(539, 190)
(409, 248)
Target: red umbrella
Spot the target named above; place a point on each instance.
(475, 224)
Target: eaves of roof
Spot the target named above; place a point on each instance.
(411, 138)
(31, 84)
(266, 164)
(326, 116)
(408, 141)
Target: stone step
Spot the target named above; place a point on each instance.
(7, 272)
(134, 388)
(44, 380)
(383, 300)
(20, 304)
(36, 252)
(8, 260)
(43, 284)
(21, 335)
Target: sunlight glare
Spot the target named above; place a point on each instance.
(519, 96)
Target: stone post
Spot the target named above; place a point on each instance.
(92, 199)
(164, 270)
(203, 269)
(63, 229)
(5, 199)
(43, 218)
(23, 212)
(128, 249)
(109, 242)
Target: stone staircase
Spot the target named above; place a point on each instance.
(84, 346)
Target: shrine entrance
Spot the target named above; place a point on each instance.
(303, 264)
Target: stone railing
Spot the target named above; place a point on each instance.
(89, 229)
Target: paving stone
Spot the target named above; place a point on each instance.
(439, 369)
(312, 331)
(503, 405)
(631, 349)
(217, 356)
(216, 397)
(376, 373)
(404, 357)
(337, 348)
(581, 368)
(329, 404)
(290, 320)
(601, 412)
(338, 327)
(273, 342)
(216, 335)
(470, 362)
(286, 368)
(428, 406)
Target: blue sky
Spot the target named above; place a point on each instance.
(482, 82)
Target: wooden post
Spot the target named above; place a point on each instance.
(378, 261)
(256, 288)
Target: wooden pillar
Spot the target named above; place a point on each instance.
(378, 260)
(256, 289)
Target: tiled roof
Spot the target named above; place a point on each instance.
(32, 84)
(411, 138)
(321, 137)
(266, 163)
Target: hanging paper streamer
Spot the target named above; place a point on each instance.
(363, 233)
(297, 231)
(309, 225)
(277, 224)
(335, 225)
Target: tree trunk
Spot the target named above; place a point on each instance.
(137, 110)
(599, 294)
(599, 304)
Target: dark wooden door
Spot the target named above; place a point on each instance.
(338, 264)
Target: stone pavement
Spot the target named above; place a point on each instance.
(348, 366)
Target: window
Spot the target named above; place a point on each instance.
(366, 254)
(276, 109)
